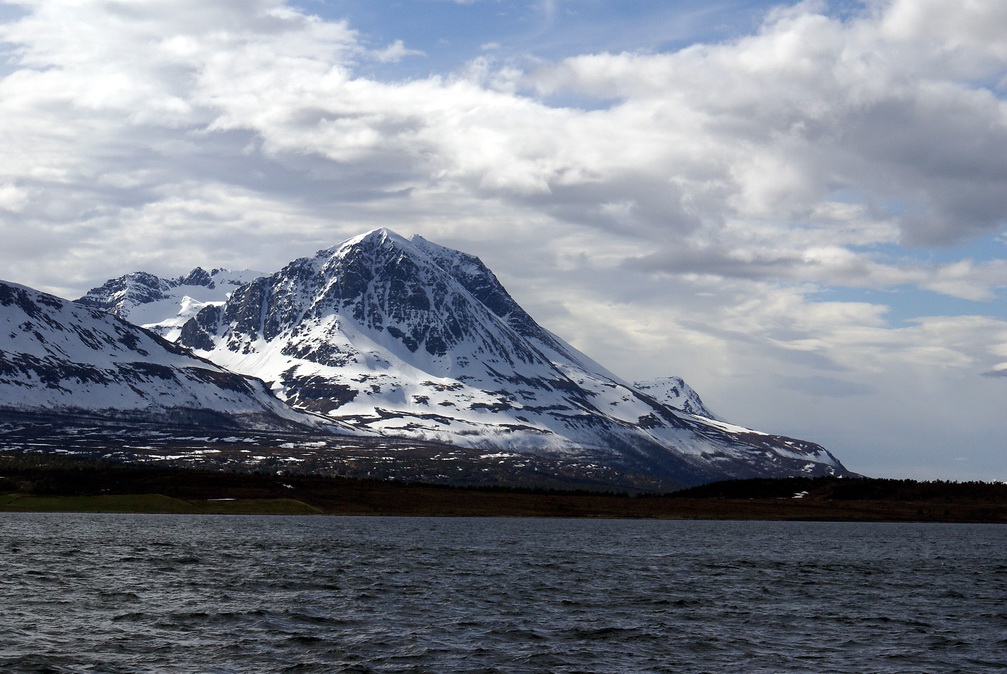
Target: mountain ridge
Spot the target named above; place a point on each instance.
(163, 305)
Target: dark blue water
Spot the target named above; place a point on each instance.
(179, 593)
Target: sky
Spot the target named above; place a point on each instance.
(800, 208)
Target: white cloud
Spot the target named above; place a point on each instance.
(972, 27)
(812, 105)
(395, 52)
(12, 198)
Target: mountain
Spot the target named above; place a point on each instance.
(58, 357)
(674, 392)
(413, 340)
(163, 305)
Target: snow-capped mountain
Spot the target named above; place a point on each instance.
(164, 305)
(58, 357)
(410, 339)
(674, 392)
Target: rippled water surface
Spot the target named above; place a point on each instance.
(179, 593)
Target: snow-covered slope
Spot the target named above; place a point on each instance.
(164, 305)
(411, 339)
(674, 392)
(60, 357)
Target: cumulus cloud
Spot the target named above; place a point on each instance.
(812, 106)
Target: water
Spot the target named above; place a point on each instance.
(177, 593)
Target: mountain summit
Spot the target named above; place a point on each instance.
(410, 339)
(163, 305)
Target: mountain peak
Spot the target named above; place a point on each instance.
(374, 237)
(408, 338)
(197, 277)
(163, 305)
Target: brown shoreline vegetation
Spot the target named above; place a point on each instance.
(37, 482)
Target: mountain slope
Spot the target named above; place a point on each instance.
(410, 339)
(58, 357)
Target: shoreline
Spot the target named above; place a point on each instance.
(38, 484)
(432, 501)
